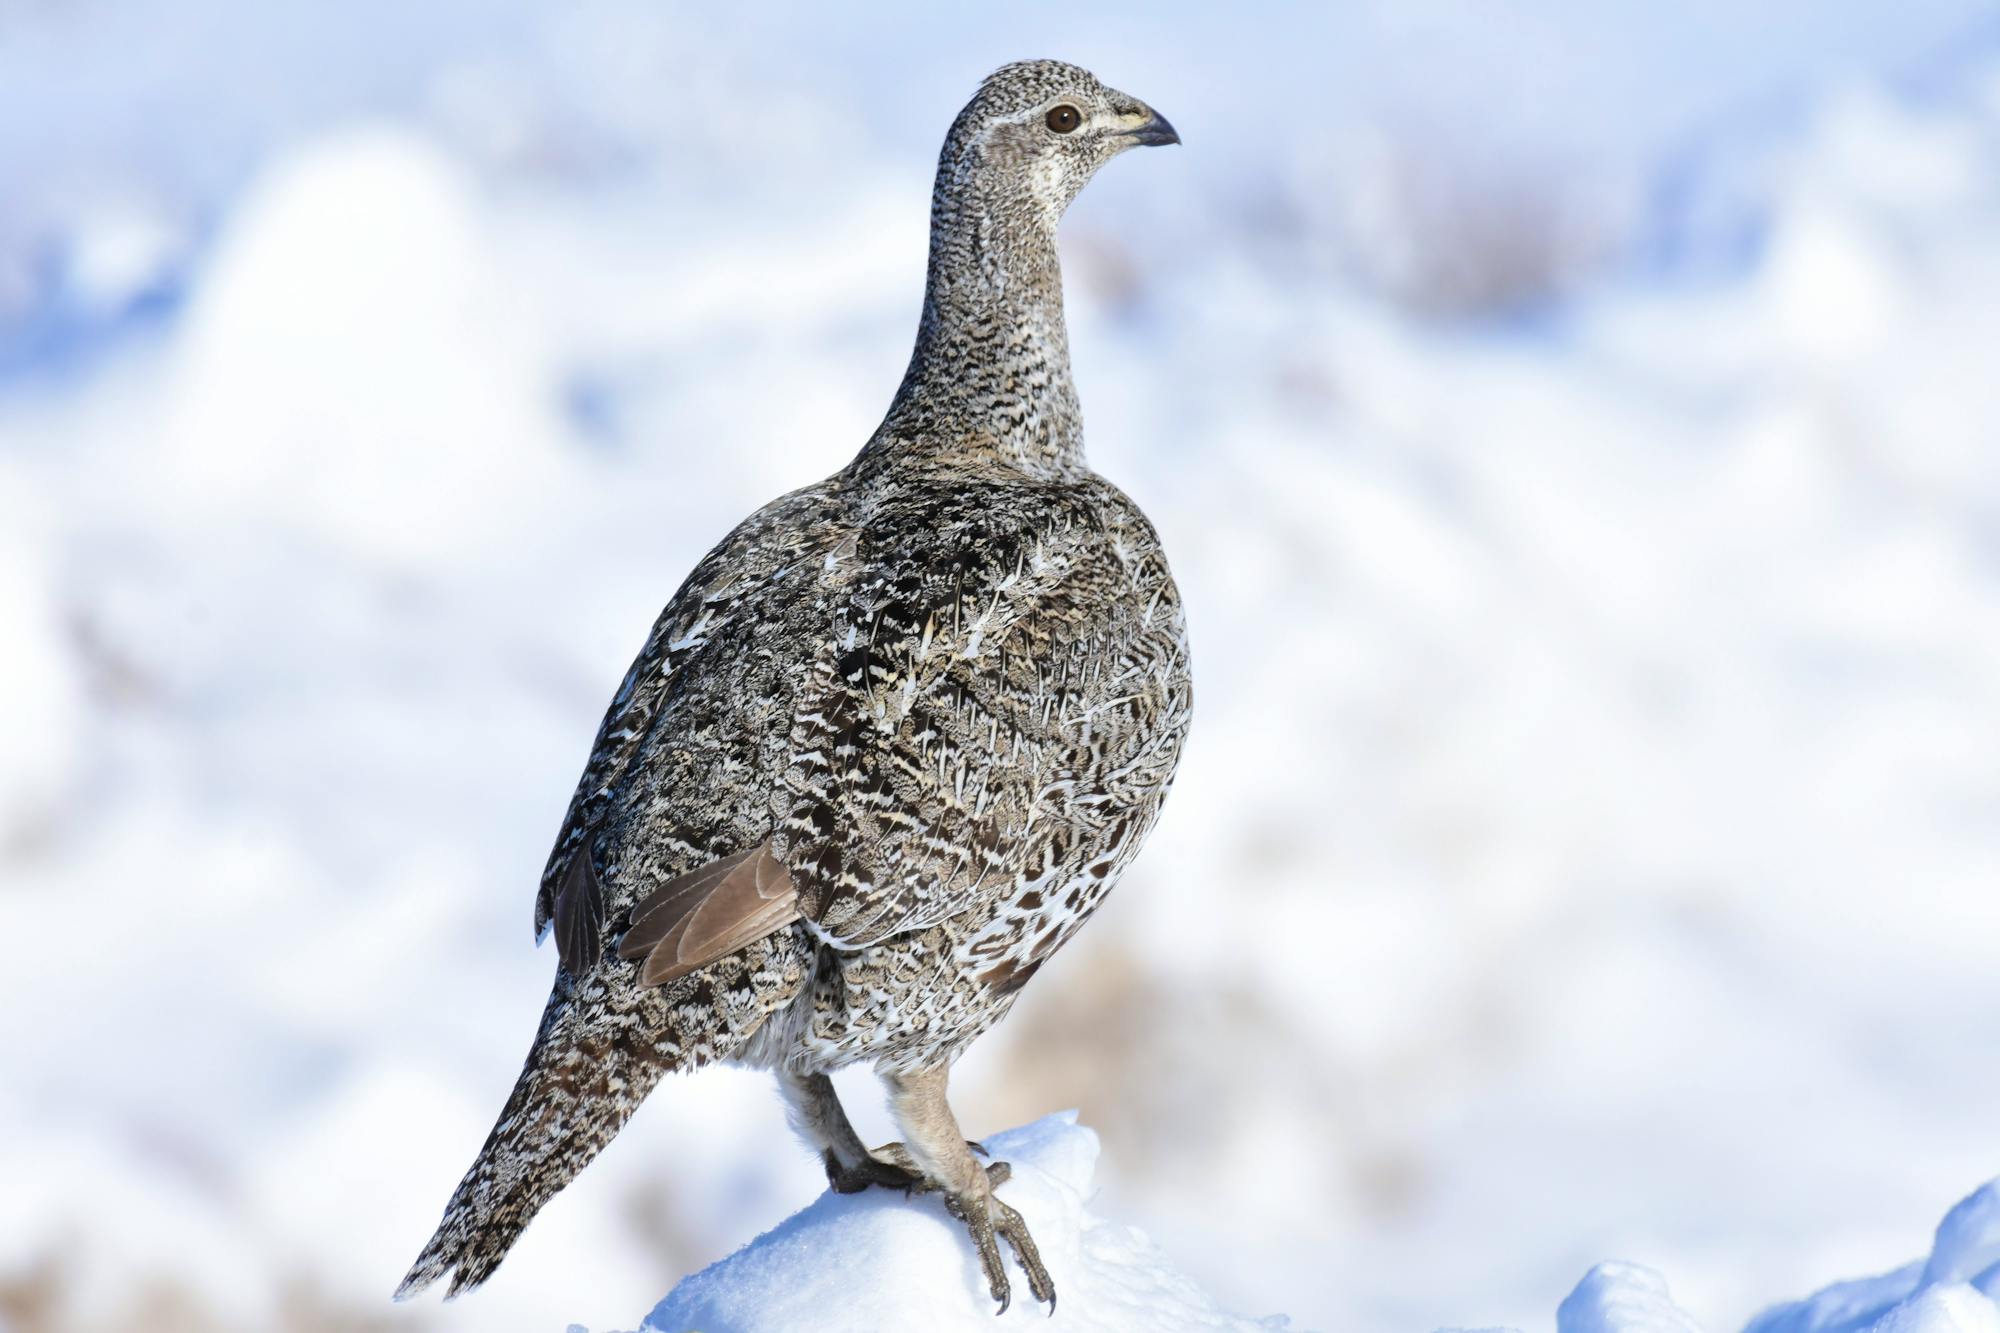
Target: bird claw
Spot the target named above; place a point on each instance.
(989, 1218)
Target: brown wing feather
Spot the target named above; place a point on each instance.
(660, 912)
(709, 913)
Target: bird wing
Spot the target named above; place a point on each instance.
(967, 658)
(569, 878)
(734, 586)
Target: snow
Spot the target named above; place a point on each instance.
(1622, 1298)
(877, 1261)
(1957, 1290)
(1620, 886)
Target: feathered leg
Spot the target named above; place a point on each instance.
(936, 1149)
(816, 1115)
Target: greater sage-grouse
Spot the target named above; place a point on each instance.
(885, 750)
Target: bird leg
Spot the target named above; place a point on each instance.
(814, 1109)
(935, 1149)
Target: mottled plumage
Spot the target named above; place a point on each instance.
(886, 749)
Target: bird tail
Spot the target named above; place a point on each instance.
(583, 1079)
(602, 1046)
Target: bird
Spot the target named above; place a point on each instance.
(890, 744)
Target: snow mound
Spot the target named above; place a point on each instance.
(1622, 1298)
(877, 1261)
(1956, 1290)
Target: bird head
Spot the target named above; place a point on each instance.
(1037, 130)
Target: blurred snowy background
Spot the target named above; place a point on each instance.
(1576, 426)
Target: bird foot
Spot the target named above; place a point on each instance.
(897, 1158)
(892, 1167)
(869, 1171)
(986, 1218)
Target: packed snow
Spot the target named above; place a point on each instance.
(1585, 847)
(876, 1261)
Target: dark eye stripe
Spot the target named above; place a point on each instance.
(1062, 119)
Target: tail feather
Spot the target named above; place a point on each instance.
(602, 1046)
(575, 1093)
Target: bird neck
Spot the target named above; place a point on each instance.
(989, 381)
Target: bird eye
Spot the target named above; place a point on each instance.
(1064, 118)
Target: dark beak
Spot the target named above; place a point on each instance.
(1156, 131)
